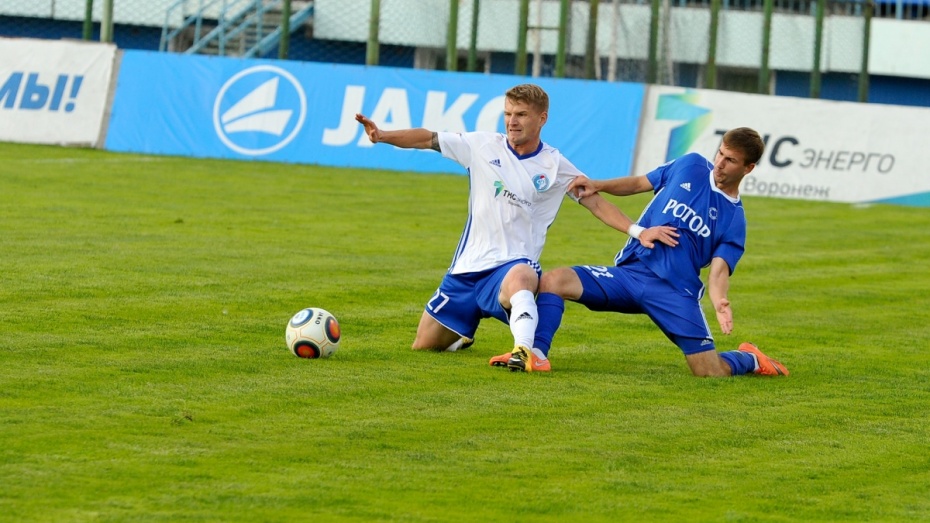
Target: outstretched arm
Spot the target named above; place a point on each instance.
(718, 284)
(614, 217)
(624, 186)
(406, 138)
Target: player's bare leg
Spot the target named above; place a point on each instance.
(432, 335)
(747, 359)
(563, 282)
(518, 294)
(708, 364)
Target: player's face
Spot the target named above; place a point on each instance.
(729, 169)
(524, 124)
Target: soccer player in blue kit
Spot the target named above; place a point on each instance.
(516, 185)
(701, 200)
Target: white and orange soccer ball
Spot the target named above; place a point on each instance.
(313, 333)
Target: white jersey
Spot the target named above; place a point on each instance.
(513, 199)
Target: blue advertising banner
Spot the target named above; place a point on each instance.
(302, 112)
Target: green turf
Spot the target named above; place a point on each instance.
(143, 373)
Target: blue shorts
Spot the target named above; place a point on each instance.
(634, 289)
(462, 300)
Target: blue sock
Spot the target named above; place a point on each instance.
(740, 362)
(549, 308)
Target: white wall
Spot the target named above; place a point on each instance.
(138, 12)
(897, 48)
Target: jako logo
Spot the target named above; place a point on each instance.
(259, 110)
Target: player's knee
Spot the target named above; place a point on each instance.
(434, 341)
(520, 277)
(418, 346)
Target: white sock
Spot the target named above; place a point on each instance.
(539, 354)
(523, 318)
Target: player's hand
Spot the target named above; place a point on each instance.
(371, 129)
(724, 315)
(660, 233)
(582, 187)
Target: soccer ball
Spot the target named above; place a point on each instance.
(312, 333)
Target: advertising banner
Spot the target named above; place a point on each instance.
(815, 149)
(302, 112)
(54, 92)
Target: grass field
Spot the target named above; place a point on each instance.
(144, 377)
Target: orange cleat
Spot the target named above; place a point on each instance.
(523, 360)
(499, 361)
(767, 366)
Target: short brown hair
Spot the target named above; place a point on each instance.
(530, 94)
(746, 140)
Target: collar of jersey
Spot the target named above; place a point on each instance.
(713, 187)
(524, 156)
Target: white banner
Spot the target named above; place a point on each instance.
(815, 150)
(54, 92)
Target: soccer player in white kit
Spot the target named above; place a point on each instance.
(517, 184)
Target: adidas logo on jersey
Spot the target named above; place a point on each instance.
(495, 162)
(686, 186)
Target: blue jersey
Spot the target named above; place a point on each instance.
(711, 224)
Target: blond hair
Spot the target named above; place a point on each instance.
(530, 94)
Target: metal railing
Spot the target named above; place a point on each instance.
(249, 23)
(266, 44)
(195, 20)
(233, 22)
